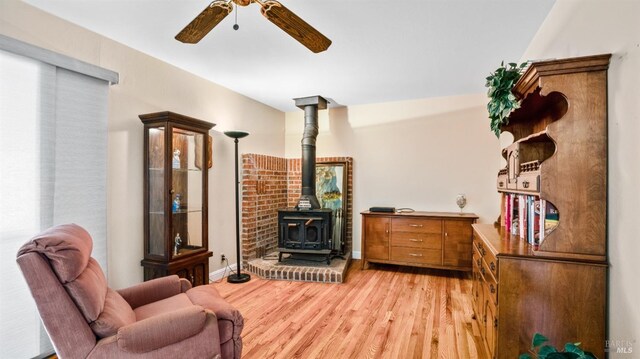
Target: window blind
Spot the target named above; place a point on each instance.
(53, 143)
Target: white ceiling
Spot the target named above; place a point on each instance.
(382, 50)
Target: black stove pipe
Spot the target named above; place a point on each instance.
(310, 105)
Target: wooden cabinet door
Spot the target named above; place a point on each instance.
(476, 288)
(376, 237)
(491, 325)
(457, 243)
(199, 274)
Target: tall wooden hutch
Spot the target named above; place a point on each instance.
(558, 287)
(176, 160)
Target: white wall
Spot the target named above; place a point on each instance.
(150, 85)
(418, 154)
(580, 28)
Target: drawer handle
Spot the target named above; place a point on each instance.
(492, 289)
(192, 279)
(478, 262)
(500, 184)
(482, 271)
(415, 254)
(415, 240)
(482, 251)
(492, 266)
(525, 184)
(415, 225)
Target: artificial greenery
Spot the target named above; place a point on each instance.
(501, 100)
(571, 350)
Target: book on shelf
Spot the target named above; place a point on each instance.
(523, 216)
(515, 215)
(530, 218)
(551, 218)
(536, 221)
(507, 213)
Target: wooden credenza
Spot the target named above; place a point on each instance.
(422, 239)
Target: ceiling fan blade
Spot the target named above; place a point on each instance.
(204, 22)
(294, 26)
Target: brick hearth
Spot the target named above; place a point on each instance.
(269, 268)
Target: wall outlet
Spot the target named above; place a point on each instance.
(222, 257)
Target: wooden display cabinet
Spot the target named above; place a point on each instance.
(422, 239)
(557, 287)
(176, 160)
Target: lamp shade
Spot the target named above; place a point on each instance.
(236, 134)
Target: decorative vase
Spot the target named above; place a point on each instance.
(461, 201)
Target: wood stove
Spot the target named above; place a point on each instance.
(307, 228)
(305, 232)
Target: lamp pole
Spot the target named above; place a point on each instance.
(239, 277)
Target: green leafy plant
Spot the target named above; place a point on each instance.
(501, 100)
(541, 351)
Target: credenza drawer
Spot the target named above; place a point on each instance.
(416, 225)
(490, 283)
(416, 255)
(417, 240)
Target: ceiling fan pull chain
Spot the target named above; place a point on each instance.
(236, 26)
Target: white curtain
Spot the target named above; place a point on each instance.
(53, 128)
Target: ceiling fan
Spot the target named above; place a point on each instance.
(272, 10)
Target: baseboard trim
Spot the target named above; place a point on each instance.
(218, 274)
(356, 255)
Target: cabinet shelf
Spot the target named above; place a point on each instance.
(176, 170)
(182, 211)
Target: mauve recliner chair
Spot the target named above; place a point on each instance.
(160, 318)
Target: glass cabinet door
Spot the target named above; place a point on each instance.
(187, 156)
(155, 175)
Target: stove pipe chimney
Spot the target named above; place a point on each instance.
(310, 105)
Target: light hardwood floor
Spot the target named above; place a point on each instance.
(382, 312)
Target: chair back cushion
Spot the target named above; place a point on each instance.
(68, 248)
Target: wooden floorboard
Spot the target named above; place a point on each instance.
(382, 312)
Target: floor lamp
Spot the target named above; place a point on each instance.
(238, 277)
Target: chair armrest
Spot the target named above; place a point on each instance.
(162, 330)
(152, 291)
(185, 285)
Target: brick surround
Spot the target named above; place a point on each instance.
(295, 187)
(271, 183)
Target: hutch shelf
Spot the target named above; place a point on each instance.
(551, 281)
(176, 160)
